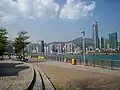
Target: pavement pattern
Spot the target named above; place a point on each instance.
(60, 73)
(14, 75)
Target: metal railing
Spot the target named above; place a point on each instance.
(103, 63)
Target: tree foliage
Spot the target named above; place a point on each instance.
(20, 42)
(3, 40)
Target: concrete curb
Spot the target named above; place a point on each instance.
(47, 83)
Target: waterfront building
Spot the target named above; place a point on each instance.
(32, 48)
(46, 48)
(77, 50)
(108, 46)
(113, 40)
(42, 47)
(106, 42)
(52, 48)
(95, 35)
(56, 48)
(90, 48)
(69, 47)
(102, 42)
(59, 48)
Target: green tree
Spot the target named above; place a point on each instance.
(20, 43)
(3, 41)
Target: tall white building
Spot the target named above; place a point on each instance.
(46, 48)
(59, 48)
(33, 48)
(55, 48)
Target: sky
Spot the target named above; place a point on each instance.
(59, 20)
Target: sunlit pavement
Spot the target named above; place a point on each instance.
(80, 67)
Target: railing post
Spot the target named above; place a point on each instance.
(65, 59)
(80, 62)
(102, 63)
(86, 63)
(56, 58)
(93, 64)
(112, 65)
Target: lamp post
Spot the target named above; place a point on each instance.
(83, 33)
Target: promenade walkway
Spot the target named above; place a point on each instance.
(60, 72)
(83, 68)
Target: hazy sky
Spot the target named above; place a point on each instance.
(59, 20)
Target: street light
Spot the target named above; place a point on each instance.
(83, 33)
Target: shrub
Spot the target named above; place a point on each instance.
(2, 49)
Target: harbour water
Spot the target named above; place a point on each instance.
(96, 58)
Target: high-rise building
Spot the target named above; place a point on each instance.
(42, 46)
(113, 40)
(95, 35)
(102, 43)
(106, 42)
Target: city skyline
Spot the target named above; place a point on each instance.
(61, 27)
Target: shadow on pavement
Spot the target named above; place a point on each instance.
(8, 65)
(10, 69)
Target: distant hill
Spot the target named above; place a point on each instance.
(57, 43)
(78, 41)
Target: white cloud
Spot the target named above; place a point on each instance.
(32, 9)
(76, 10)
(28, 8)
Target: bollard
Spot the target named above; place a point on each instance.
(73, 62)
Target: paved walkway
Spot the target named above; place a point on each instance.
(59, 73)
(84, 68)
(14, 75)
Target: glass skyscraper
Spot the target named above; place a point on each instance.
(113, 40)
(95, 35)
